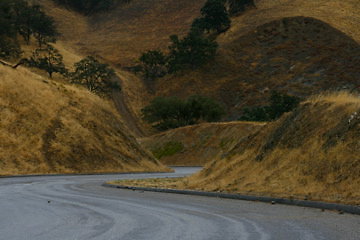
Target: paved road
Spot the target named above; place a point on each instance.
(80, 208)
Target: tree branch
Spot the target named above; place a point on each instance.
(21, 62)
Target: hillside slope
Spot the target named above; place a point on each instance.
(197, 145)
(122, 34)
(313, 152)
(48, 127)
(298, 55)
(297, 47)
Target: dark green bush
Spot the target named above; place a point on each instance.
(190, 52)
(171, 112)
(279, 104)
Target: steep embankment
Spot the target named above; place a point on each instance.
(313, 152)
(197, 145)
(48, 127)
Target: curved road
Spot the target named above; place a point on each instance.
(78, 207)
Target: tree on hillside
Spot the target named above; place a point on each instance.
(43, 27)
(171, 112)
(25, 18)
(214, 16)
(9, 46)
(190, 52)
(48, 59)
(153, 64)
(94, 75)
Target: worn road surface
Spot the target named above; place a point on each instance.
(78, 207)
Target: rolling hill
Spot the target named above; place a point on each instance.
(49, 127)
(297, 47)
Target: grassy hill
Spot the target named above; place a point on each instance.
(48, 127)
(313, 152)
(299, 47)
(122, 34)
(199, 144)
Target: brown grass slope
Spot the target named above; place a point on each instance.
(201, 143)
(297, 55)
(300, 47)
(48, 127)
(313, 151)
(122, 34)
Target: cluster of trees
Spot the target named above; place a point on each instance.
(19, 18)
(94, 75)
(199, 46)
(279, 104)
(171, 112)
(192, 51)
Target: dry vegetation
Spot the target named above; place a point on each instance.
(201, 143)
(316, 48)
(311, 153)
(300, 56)
(121, 35)
(48, 127)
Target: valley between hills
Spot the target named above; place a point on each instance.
(308, 50)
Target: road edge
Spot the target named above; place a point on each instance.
(75, 174)
(342, 208)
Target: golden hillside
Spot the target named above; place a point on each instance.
(199, 144)
(297, 55)
(48, 127)
(298, 47)
(122, 34)
(313, 151)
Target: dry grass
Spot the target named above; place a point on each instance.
(299, 56)
(49, 127)
(201, 143)
(311, 153)
(341, 14)
(119, 36)
(170, 183)
(320, 56)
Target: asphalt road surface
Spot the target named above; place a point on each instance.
(78, 207)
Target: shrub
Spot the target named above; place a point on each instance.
(190, 52)
(279, 104)
(214, 16)
(171, 112)
(153, 64)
